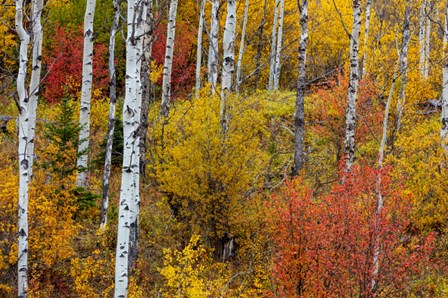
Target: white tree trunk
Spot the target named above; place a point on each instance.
(273, 47)
(278, 53)
(366, 37)
(86, 94)
(421, 38)
(168, 64)
(404, 64)
(111, 124)
(427, 46)
(199, 48)
(444, 129)
(129, 193)
(228, 65)
(242, 48)
(350, 116)
(27, 102)
(299, 117)
(212, 67)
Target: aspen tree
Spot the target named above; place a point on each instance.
(421, 38)
(212, 67)
(199, 47)
(444, 128)
(86, 94)
(260, 46)
(299, 117)
(350, 115)
(242, 47)
(27, 104)
(129, 193)
(404, 63)
(228, 65)
(366, 37)
(111, 123)
(273, 47)
(279, 45)
(168, 64)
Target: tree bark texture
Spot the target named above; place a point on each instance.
(168, 64)
(366, 37)
(242, 48)
(129, 193)
(199, 47)
(350, 115)
(299, 117)
(111, 122)
(213, 58)
(273, 47)
(86, 94)
(228, 66)
(278, 52)
(444, 129)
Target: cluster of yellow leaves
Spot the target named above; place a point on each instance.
(187, 272)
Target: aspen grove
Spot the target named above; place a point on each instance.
(223, 148)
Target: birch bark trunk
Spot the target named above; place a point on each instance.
(27, 103)
(260, 46)
(427, 44)
(299, 117)
(279, 46)
(111, 123)
(242, 48)
(168, 64)
(86, 94)
(228, 65)
(129, 193)
(199, 48)
(421, 38)
(350, 116)
(366, 37)
(444, 129)
(273, 47)
(212, 68)
(404, 64)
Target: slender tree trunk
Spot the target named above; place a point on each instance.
(404, 64)
(129, 193)
(228, 65)
(278, 53)
(86, 94)
(444, 129)
(111, 124)
(421, 38)
(427, 45)
(199, 48)
(366, 37)
(148, 40)
(376, 244)
(273, 47)
(168, 64)
(27, 103)
(212, 68)
(242, 48)
(260, 46)
(299, 117)
(350, 116)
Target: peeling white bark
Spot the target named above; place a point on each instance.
(299, 117)
(111, 124)
(366, 37)
(86, 94)
(228, 65)
(273, 47)
(279, 46)
(199, 48)
(27, 102)
(350, 116)
(444, 118)
(168, 64)
(129, 193)
(212, 67)
(421, 38)
(404, 64)
(242, 48)
(427, 47)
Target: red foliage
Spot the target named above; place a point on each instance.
(325, 247)
(63, 61)
(184, 65)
